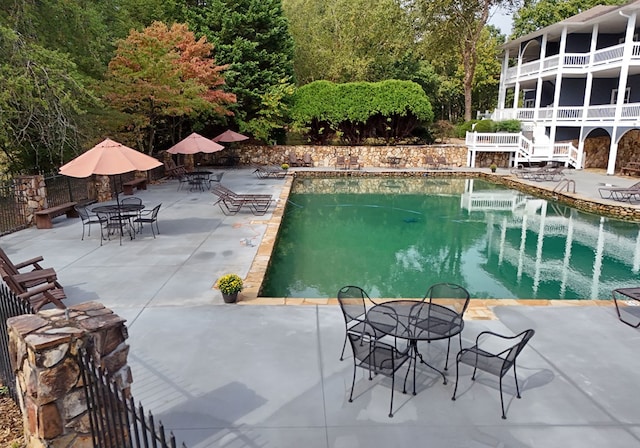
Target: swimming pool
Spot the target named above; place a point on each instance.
(396, 236)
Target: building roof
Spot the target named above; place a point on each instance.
(610, 18)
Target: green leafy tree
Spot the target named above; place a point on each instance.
(41, 98)
(351, 40)
(252, 38)
(456, 26)
(161, 74)
(534, 15)
(273, 115)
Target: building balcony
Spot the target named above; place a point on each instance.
(629, 114)
(571, 62)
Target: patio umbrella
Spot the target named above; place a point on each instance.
(109, 158)
(230, 137)
(193, 144)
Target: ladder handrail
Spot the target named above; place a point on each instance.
(565, 183)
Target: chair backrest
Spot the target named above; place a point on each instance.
(292, 157)
(442, 160)
(154, 212)
(353, 159)
(515, 350)
(5, 260)
(133, 200)
(352, 300)
(340, 160)
(452, 296)
(82, 212)
(14, 286)
(307, 157)
(429, 160)
(361, 341)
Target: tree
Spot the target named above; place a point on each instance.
(456, 26)
(535, 15)
(163, 73)
(252, 38)
(41, 99)
(351, 40)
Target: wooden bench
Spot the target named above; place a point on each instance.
(140, 183)
(631, 168)
(44, 217)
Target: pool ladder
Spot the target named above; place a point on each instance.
(565, 184)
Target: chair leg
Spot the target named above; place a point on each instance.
(393, 381)
(446, 360)
(82, 239)
(344, 345)
(515, 375)
(455, 388)
(353, 383)
(504, 417)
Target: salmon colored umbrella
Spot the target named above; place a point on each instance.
(230, 137)
(108, 158)
(193, 144)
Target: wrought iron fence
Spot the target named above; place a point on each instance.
(61, 189)
(10, 306)
(12, 210)
(115, 420)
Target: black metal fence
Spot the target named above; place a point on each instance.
(61, 189)
(10, 306)
(12, 209)
(115, 420)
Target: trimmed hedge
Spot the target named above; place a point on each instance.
(388, 109)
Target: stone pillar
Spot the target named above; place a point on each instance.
(104, 188)
(43, 350)
(32, 192)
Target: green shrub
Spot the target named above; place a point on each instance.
(511, 126)
(485, 126)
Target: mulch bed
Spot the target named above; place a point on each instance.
(11, 433)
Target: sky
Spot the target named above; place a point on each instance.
(502, 20)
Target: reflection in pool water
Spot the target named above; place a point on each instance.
(395, 237)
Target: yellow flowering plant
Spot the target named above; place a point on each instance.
(284, 166)
(229, 284)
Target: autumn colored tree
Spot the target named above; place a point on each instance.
(164, 75)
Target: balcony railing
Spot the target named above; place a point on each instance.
(573, 60)
(605, 112)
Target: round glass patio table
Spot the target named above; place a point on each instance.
(415, 321)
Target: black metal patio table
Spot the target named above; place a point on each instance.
(119, 213)
(416, 321)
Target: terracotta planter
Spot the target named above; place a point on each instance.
(230, 298)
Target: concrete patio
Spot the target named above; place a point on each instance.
(269, 375)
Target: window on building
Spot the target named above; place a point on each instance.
(614, 95)
(635, 39)
(530, 103)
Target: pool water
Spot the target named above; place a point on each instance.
(394, 237)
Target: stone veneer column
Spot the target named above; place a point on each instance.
(104, 187)
(43, 351)
(31, 191)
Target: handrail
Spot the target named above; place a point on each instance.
(565, 183)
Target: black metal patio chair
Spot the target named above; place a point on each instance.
(149, 217)
(377, 357)
(452, 296)
(497, 364)
(353, 303)
(87, 219)
(627, 302)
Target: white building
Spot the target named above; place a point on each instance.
(568, 82)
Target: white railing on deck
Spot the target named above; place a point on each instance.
(630, 111)
(609, 54)
(572, 60)
(522, 147)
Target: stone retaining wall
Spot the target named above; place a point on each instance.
(43, 349)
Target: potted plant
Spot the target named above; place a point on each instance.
(229, 285)
(493, 167)
(285, 166)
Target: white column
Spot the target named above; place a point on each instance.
(622, 87)
(558, 86)
(543, 55)
(502, 90)
(589, 83)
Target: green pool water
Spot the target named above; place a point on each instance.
(396, 236)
